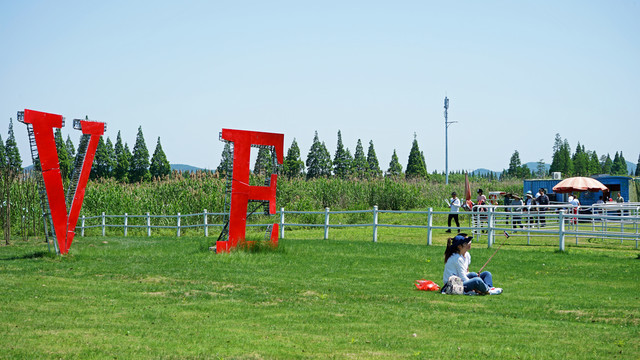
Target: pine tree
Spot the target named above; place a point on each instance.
(126, 162)
(63, 155)
(226, 161)
(140, 160)
(12, 167)
(624, 169)
(395, 168)
(606, 163)
(637, 173)
(580, 161)
(3, 156)
(111, 158)
(416, 165)
(615, 166)
(121, 170)
(524, 172)
(556, 165)
(594, 163)
(318, 159)
(71, 150)
(100, 166)
(619, 165)
(341, 163)
(360, 166)
(293, 165)
(514, 165)
(541, 169)
(160, 166)
(372, 160)
(14, 162)
(565, 155)
(264, 162)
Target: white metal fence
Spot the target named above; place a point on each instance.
(558, 221)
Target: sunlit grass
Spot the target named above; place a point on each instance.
(346, 297)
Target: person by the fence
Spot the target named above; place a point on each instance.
(543, 199)
(507, 209)
(481, 200)
(527, 208)
(454, 206)
(573, 200)
(457, 260)
(516, 209)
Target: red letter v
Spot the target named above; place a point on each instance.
(64, 223)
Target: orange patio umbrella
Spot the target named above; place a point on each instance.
(579, 183)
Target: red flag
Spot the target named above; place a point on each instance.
(467, 188)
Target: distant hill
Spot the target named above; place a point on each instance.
(533, 166)
(184, 167)
(631, 167)
(483, 172)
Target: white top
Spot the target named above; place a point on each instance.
(457, 265)
(454, 204)
(574, 201)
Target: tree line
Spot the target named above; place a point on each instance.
(582, 162)
(116, 161)
(344, 165)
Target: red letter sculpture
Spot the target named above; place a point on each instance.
(64, 224)
(241, 191)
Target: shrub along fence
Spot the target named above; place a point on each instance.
(561, 221)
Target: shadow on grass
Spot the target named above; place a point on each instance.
(34, 255)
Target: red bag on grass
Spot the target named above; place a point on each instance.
(426, 285)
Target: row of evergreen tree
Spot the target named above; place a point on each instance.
(585, 162)
(343, 165)
(582, 163)
(116, 161)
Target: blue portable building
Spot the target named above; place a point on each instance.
(534, 185)
(616, 184)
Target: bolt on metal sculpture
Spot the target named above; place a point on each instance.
(239, 192)
(59, 223)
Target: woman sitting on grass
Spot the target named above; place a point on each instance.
(457, 260)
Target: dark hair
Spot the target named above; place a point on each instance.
(449, 250)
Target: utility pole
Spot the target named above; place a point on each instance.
(446, 139)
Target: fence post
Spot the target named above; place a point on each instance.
(375, 223)
(636, 223)
(561, 231)
(326, 223)
(282, 223)
(103, 224)
(490, 224)
(148, 224)
(178, 227)
(125, 224)
(429, 225)
(82, 229)
(206, 227)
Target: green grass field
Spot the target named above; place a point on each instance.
(170, 298)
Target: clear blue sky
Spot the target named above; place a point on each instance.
(516, 74)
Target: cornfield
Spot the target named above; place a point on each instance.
(193, 192)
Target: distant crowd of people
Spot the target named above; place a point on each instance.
(518, 207)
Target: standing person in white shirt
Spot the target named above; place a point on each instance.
(573, 200)
(454, 205)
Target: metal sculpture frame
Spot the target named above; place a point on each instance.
(241, 192)
(58, 211)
